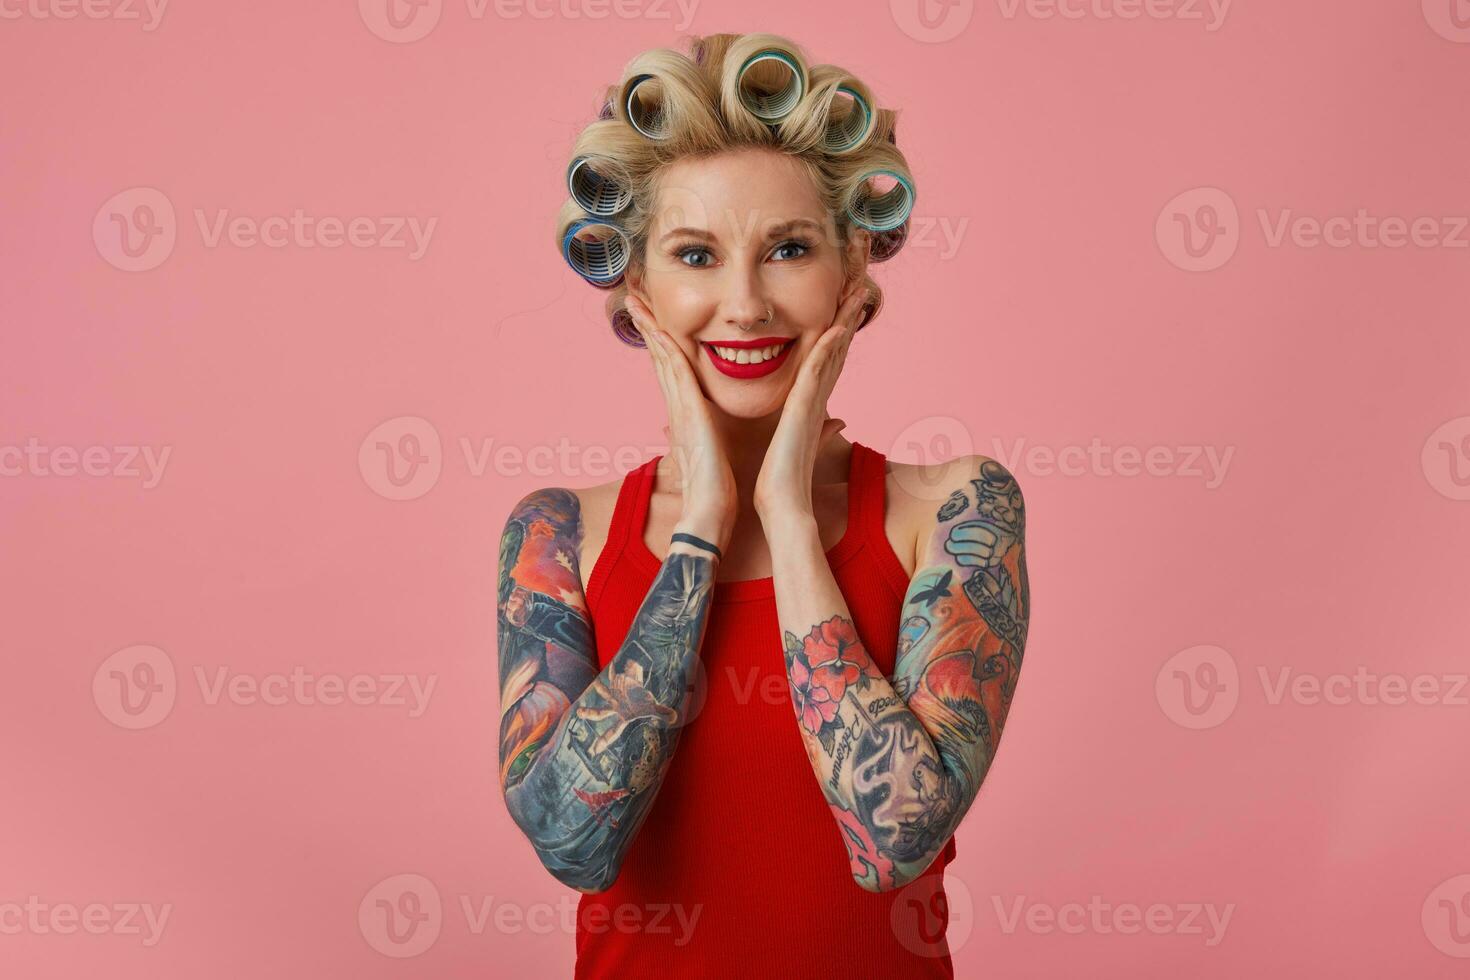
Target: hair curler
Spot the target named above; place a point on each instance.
(847, 132)
(884, 245)
(883, 212)
(644, 110)
(594, 192)
(597, 250)
(757, 86)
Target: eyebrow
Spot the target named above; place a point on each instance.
(784, 228)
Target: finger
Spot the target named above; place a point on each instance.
(851, 310)
(681, 370)
(656, 353)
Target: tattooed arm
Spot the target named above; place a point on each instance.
(582, 752)
(900, 761)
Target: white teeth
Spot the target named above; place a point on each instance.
(747, 355)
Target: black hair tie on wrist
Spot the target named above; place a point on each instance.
(697, 542)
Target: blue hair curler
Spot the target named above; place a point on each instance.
(599, 259)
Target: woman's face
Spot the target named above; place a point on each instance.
(735, 238)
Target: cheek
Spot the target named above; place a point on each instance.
(684, 307)
(809, 308)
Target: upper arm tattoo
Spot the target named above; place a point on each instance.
(544, 635)
(582, 751)
(901, 762)
(965, 620)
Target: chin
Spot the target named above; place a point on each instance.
(744, 403)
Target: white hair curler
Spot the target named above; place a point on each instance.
(885, 211)
(756, 94)
(594, 192)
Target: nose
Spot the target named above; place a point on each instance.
(745, 306)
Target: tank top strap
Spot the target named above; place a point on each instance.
(867, 499)
(865, 492)
(628, 514)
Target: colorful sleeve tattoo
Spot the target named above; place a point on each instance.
(900, 761)
(583, 752)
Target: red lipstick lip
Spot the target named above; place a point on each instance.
(747, 371)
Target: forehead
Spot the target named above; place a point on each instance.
(742, 189)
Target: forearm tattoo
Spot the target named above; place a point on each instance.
(582, 752)
(901, 762)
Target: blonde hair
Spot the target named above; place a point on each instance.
(732, 91)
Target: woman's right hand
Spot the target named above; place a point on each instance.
(710, 497)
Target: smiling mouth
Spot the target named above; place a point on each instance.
(747, 355)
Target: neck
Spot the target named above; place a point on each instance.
(745, 442)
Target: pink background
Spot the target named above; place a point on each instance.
(1049, 148)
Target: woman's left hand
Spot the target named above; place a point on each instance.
(784, 487)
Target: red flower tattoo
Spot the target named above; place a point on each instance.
(826, 648)
(815, 705)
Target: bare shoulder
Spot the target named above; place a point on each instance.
(924, 495)
(598, 503)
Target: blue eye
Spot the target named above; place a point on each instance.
(689, 251)
(683, 253)
(795, 244)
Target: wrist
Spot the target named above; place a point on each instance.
(712, 528)
(788, 524)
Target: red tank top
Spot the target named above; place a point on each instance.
(739, 869)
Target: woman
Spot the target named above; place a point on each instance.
(732, 192)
